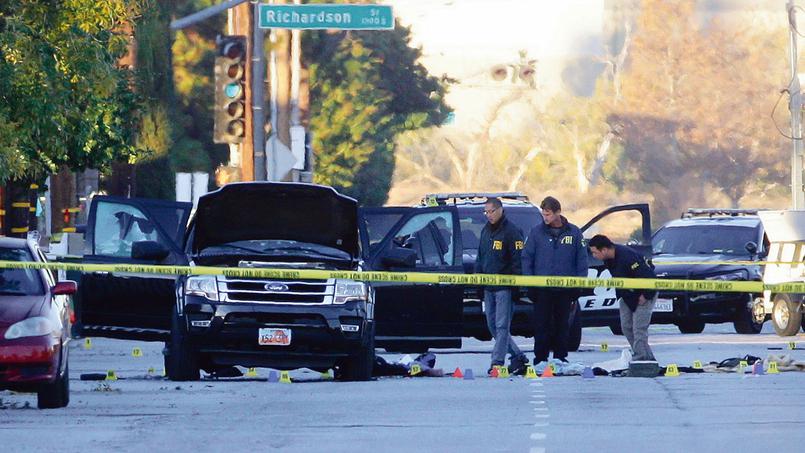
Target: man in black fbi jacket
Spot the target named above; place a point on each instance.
(636, 305)
(499, 250)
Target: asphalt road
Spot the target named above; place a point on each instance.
(692, 412)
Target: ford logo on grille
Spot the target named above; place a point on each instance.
(279, 287)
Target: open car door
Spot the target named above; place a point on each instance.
(628, 224)
(412, 317)
(137, 231)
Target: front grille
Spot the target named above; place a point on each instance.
(268, 291)
(277, 319)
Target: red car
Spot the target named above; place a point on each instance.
(34, 327)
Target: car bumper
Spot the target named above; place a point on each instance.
(707, 307)
(28, 361)
(320, 334)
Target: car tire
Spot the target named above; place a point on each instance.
(57, 393)
(359, 367)
(691, 326)
(182, 360)
(616, 329)
(745, 320)
(574, 334)
(785, 315)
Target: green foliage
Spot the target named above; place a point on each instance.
(63, 100)
(365, 89)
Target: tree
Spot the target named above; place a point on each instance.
(444, 159)
(365, 89)
(63, 98)
(694, 116)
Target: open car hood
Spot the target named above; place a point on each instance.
(277, 211)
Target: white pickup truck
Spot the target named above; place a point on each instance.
(786, 233)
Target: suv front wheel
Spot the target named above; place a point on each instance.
(181, 363)
(359, 366)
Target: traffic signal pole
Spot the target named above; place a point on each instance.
(258, 98)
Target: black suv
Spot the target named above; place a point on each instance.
(703, 236)
(594, 307)
(212, 322)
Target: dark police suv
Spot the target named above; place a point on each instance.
(595, 307)
(212, 322)
(702, 246)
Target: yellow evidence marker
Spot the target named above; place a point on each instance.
(251, 372)
(415, 369)
(530, 373)
(285, 378)
(604, 347)
(88, 343)
(772, 368)
(111, 375)
(672, 370)
(136, 352)
(697, 364)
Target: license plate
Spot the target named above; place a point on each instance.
(664, 305)
(274, 337)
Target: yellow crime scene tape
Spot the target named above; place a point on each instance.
(426, 277)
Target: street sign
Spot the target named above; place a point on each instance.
(326, 17)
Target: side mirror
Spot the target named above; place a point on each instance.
(65, 287)
(751, 247)
(149, 251)
(399, 257)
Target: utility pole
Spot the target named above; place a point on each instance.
(795, 107)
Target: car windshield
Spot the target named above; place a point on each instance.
(704, 240)
(19, 282)
(472, 222)
(278, 248)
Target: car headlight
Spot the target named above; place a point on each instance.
(201, 285)
(737, 275)
(31, 327)
(347, 290)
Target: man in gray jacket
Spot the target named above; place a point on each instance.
(553, 248)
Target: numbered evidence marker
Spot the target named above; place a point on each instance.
(604, 347)
(111, 375)
(136, 352)
(772, 368)
(251, 372)
(415, 369)
(285, 378)
(672, 370)
(697, 364)
(530, 373)
(503, 372)
(742, 365)
(88, 343)
(792, 345)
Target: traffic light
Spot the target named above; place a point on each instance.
(230, 88)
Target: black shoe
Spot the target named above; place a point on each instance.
(518, 367)
(491, 368)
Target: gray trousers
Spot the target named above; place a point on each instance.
(499, 309)
(635, 328)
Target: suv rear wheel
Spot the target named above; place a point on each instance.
(749, 319)
(181, 363)
(690, 326)
(785, 315)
